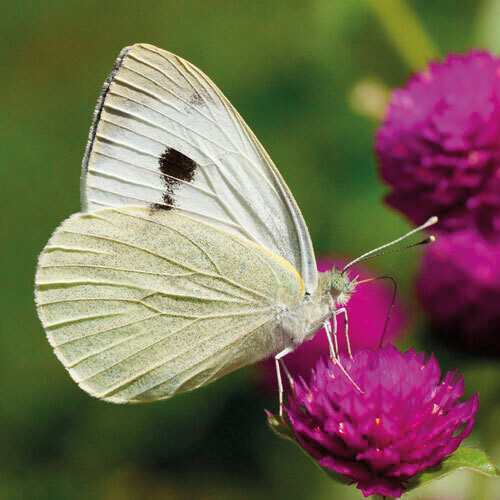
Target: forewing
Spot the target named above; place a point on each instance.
(141, 304)
(165, 136)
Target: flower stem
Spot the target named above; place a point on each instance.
(486, 34)
(405, 30)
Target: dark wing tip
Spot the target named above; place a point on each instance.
(97, 116)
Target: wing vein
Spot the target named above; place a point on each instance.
(226, 208)
(111, 268)
(48, 325)
(100, 332)
(202, 81)
(149, 346)
(230, 112)
(135, 353)
(164, 129)
(235, 151)
(110, 140)
(75, 249)
(126, 383)
(184, 353)
(156, 172)
(68, 283)
(220, 276)
(172, 93)
(178, 209)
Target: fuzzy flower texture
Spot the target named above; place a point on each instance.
(403, 422)
(439, 146)
(459, 287)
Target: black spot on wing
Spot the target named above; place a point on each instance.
(175, 167)
(174, 164)
(196, 99)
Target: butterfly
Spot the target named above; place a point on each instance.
(190, 257)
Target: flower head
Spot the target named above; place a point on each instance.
(459, 287)
(367, 310)
(439, 146)
(403, 422)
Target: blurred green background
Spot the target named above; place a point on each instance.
(309, 77)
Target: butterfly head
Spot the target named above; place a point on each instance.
(341, 286)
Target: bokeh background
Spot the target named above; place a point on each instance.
(311, 79)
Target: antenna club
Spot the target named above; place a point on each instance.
(372, 253)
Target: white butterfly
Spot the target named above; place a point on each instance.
(190, 257)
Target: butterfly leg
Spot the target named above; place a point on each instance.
(335, 330)
(334, 349)
(344, 312)
(287, 373)
(336, 359)
(278, 360)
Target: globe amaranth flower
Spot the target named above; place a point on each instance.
(459, 287)
(403, 422)
(367, 310)
(439, 146)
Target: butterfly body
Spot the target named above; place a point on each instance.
(302, 323)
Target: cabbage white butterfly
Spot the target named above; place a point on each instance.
(190, 257)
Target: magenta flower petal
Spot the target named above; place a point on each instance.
(439, 146)
(403, 422)
(459, 287)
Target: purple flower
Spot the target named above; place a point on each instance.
(403, 422)
(459, 287)
(367, 310)
(439, 146)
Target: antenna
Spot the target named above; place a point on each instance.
(429, 239)
(371, 253)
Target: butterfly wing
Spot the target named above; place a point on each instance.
(164, 136)
(141, 304)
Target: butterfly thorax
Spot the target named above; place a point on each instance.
(333, 291)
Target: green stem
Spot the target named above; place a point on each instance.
(486, 33)
(405, 30)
